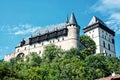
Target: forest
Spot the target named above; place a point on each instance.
(57, 64)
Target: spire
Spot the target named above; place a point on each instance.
(67, 21)
(73, 19)
(95, 20)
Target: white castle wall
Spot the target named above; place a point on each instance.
(64, 42)
(99, 35)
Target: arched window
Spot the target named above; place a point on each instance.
(20, 55)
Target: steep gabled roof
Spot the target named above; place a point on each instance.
(96, 20)
(95, 23)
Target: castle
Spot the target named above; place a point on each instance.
(66, 36)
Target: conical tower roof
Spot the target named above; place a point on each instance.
(67, 20)
(72, 19)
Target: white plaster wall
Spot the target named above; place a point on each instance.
(69, 41)
(99, 35)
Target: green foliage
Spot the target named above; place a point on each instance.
(113, 64)
(97, 62)
(57, 64)
(88, 43)
(52, 51)
(33, 59)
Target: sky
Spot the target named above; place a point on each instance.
(21, 18)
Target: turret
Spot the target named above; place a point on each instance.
(73, 31)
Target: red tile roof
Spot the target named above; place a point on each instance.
(115, 77)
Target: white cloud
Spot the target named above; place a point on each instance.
(20, 29)
(23, 29)
(115, 16)
(107, 5)
(110, 8)
(27, 30)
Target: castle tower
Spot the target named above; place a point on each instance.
(73, 32)
(102, 36)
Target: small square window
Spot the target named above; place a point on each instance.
(25, 48)
(106, 33)
(18, 50)
(109, 35)
(58, 40)
(34, 46)
(109, 54)
(63, 38)
(39, 52)
(53, 41)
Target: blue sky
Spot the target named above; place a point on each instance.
(21, 18)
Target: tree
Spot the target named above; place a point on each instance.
(98, 65)
(113, 64)
(72, 53)
(88, 43)
(51, 51)
(6, 72)
(34, 59)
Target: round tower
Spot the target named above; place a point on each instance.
(73, 32)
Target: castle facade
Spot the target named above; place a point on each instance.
(66, 36)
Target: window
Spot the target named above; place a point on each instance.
(105, 53)
(108, 46)
(109, 35)
(42, 44)
(110, 54)
(34, 46)
(53, 41)
(58, 40)
(39, 52)
(102, 35)
(106, 33)
(103, 43)
(18, 50)
(113, 41)
(25, 48)
(63, 38)
(109, 39)
(105, 37)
